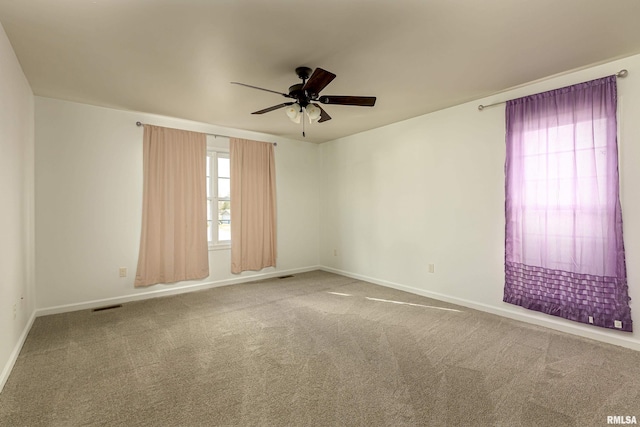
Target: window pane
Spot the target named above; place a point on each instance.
(209, 213)
(224, 220)
(223, 167)
(224, 232)
(210, 231)
(224, 188)
(224, 211)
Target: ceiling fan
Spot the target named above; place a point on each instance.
(306, 96)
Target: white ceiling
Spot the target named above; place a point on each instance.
(178, 57)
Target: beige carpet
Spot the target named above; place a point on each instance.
(316, 349)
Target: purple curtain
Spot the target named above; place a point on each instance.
(564, 253)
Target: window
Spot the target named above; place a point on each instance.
(218, 199)
(559, 164)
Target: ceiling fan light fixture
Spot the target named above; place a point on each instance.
(313, 112)
(293, 112)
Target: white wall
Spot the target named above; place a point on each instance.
(89, 204)
(431, 190)
(16, 207)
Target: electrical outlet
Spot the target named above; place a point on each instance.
(432, 268)
(591, 319)
(617, 324)
(123, 271)
(335, 252)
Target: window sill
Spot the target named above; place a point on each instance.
(220, 247)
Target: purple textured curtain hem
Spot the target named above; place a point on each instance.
(569, 295)
(564, 251)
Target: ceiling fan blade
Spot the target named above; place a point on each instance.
(318, 81)
(362, 101)
(275, 107)
(323, 114)
(286, 95)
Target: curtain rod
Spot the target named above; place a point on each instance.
(275, 144)
(621, 74)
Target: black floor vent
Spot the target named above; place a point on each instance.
(285, 277)
(109, 307)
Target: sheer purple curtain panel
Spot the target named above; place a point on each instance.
(564, 252)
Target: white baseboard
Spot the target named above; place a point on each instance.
(608, 336)
(6, 371)
(169, 291)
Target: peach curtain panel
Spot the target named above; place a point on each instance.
(173, 242)
(253, 210)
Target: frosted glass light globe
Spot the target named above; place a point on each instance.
(313, 112)
(293, 112)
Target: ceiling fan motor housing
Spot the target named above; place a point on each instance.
(296, 92)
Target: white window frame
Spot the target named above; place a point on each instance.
(212, 199)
